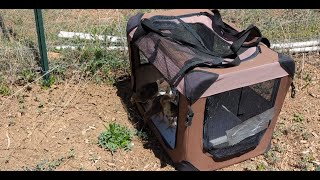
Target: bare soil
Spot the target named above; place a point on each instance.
(59, 128)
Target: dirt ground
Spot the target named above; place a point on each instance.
(58, 128)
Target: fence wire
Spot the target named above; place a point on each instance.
(74, 36)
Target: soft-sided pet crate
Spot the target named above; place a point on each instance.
(229, 85)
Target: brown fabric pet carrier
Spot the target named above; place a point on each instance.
(209, 92)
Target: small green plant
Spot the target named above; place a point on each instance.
(20, 99)
(48, 83)
(298, 117)
(142, 135)
(4, 90)
(261, 167)
(28, 75)
(60, 70)
(41, 166)
(271, 157)
(46, 165)
(115, 137)
(307, 78)
(305, 161)
(105, 65)
(306, 135)
(56, 163)
(71, 153)
(279, 148)
(276, 134)
(22, 109)
(11, 121)
(94, 158)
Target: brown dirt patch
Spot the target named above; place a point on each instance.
(50, 124)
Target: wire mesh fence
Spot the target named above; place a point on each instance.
(75, 36)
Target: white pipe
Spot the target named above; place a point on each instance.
(65, 47)
(117, 48)
(87, 36)
(294, 47)
(301, 49)
(296, 44)
(292, 50)
(75, 47)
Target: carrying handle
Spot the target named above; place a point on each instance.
(241, 37)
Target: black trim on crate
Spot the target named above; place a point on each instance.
(185, 166)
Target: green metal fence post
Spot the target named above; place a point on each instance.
(42, 42)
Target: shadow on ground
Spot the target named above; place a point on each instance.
(123, 85)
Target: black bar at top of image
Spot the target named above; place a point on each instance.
(160, 4)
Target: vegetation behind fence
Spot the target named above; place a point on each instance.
(82, 57)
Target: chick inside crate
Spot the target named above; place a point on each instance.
(210, 92)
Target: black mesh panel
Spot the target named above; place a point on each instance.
(227, 111)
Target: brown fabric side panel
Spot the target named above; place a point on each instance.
(266, 56)
(203, 161)
(195, 153)
(226, 82)
(182, 135)
(247, 77)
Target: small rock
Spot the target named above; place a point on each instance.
(100, 115)
(131, 144)
(316, 162)
(92, 127)
(83, 132)
(315, 134)
(146, 166)
(29, 134)
(111, 164)
(113, 119)
(29, 88)
(305, 152)
(303, 141)
(86, 141)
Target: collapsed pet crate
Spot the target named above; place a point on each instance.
(228, 86)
